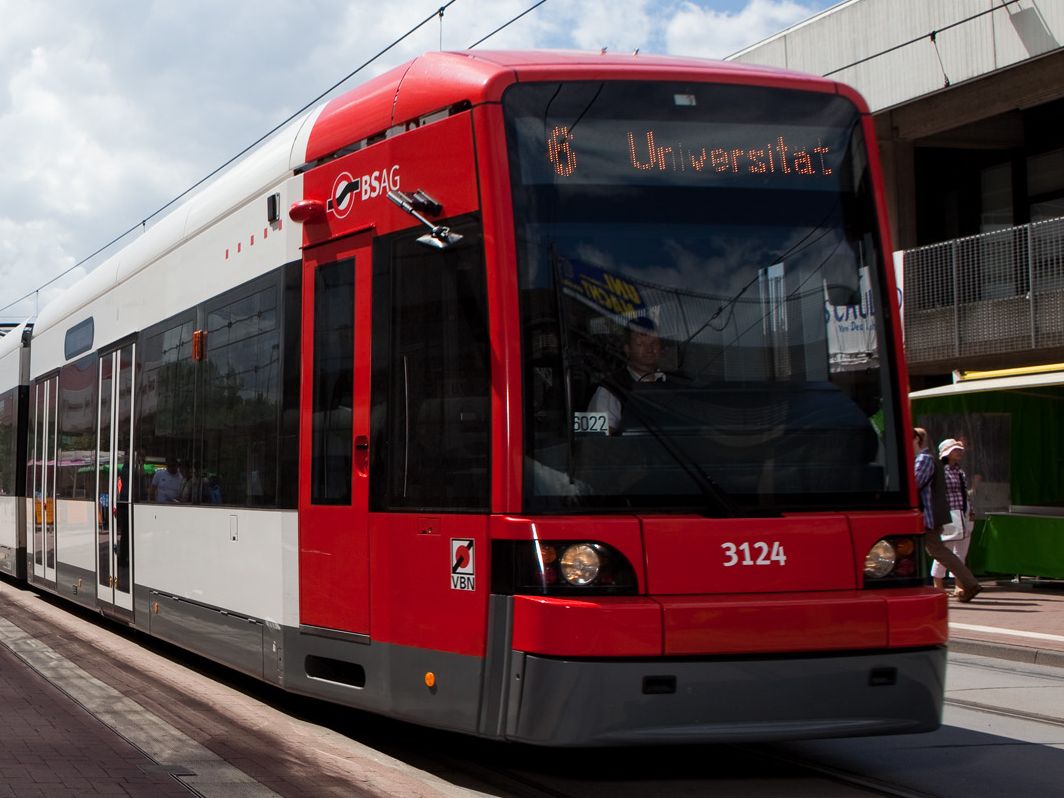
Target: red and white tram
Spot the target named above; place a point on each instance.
(333, 422)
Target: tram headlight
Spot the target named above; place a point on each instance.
(895, 561)
(580, 564)
(560, 567)
(879, 561)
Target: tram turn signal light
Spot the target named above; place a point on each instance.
(430, 680)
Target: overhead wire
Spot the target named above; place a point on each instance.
(933, 36)
(507, 24)
(438, 13)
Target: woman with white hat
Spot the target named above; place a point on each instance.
(931, 484)
(957, 535)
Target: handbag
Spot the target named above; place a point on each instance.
(955, 529)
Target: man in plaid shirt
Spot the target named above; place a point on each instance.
(931, 483)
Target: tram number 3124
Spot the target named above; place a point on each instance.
(759, 553)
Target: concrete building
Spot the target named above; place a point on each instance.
(968, 98)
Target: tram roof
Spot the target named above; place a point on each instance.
(437, 81)
(12, 339)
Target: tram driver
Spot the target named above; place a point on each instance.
(642, 351)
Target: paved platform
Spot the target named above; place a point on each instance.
(53, 747)
(1021, 620)
(86, 710)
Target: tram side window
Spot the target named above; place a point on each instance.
(167, 400)
(241, 403)
(75, 474)
(8, 443)
(334, 305)
(430, 422)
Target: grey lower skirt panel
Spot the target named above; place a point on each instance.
(76, 584)
(71, 582)
(235, 640)
(13, 561)
(434, 688)
(566, 702)
(342, 668)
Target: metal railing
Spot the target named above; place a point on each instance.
(989, 294)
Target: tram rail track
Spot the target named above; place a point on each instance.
(1016, 714)
(790, 775)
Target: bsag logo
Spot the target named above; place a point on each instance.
(347, 188)
(462, 564)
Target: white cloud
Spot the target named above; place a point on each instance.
(621, 26)
(22, 245)
(699, 31)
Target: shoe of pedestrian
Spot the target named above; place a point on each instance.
(964, 596)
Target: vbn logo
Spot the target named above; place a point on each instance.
(462, 570)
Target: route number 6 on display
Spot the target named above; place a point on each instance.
(758, 553)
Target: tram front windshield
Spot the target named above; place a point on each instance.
(702, 301)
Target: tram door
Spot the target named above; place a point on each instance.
(114, 478)
(334, 551)
(44, 402)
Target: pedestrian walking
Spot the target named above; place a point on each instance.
(931, 483)
(957, 534)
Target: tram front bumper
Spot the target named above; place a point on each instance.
(689, 669)
(563, 702)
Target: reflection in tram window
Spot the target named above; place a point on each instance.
(8, 446)
(75, 474)
(166, 398)
(216, 410)
(241, 397)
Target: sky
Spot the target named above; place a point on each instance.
(109, 109)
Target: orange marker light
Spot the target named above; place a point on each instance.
(904, 547)
(199, 341)
(430, 680)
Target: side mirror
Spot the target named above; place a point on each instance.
(439, 236)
